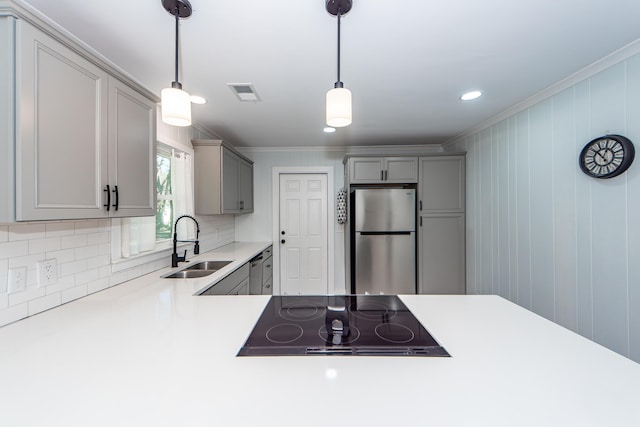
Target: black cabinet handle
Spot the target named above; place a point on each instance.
(381, 175)
(282, 241)
(116, 191)
(108, 205)
(420, 204)
(282, 232)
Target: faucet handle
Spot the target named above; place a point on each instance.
(184, 257)
(196, 248)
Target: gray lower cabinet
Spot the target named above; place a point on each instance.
(236, 283)
(441, 228)
(223, 179)
(84, 142)
(441, 254)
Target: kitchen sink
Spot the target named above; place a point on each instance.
(208, 265)
(200, 269)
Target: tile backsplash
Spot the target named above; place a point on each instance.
(82, 250)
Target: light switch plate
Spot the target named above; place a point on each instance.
(47, 272)
(17, 280)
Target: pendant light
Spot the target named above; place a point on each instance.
(338, 98)
(176, 103)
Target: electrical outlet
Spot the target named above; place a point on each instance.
(47, 272)
(17, 280)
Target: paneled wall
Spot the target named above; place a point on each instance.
(543, 234)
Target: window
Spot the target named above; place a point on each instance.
(164, 207)
(132, 237)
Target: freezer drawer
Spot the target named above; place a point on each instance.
(385, 263)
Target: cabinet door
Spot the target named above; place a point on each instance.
(442, 254)
(442, 184)
(364, 170)
(245, 178)
(61, 166)
(242, 288)
(230, 182)
(132, 152)
(401, 169)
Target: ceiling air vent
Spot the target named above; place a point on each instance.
(244, 91)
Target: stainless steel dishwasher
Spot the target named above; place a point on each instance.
(255, 275)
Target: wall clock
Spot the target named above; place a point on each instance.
(607, 156)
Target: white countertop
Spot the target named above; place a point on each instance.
(149, 353)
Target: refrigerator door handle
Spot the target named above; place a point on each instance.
(383, 233)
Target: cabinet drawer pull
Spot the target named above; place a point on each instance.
(108, 205)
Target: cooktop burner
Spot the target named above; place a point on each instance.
(348, 325)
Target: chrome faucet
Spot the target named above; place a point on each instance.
(175, 259)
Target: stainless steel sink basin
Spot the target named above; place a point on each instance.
(188, 274)
(208, 265)
(200, 269)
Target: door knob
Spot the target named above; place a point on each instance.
(282, 241)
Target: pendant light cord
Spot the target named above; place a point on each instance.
(177, 15)
(338, 82)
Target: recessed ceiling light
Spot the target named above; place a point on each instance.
(195, 99)
(471, 95)
(329, 130)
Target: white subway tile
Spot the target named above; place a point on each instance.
(4, 233)
(45, 303)
(26, 231)
(4, 267)
(75, 241)
(4, 301)
(61, 284)
(86, 251)
(98, 261)
(105, 271)
(59, 229)
(97, 238)
(73, 267)
(98, 285)
(87, 276)
(3, 283)
(64, 255)
(28, 261)
(13, 314)
(117, 278)
(105, 249)
(13, 249)
(32, 292)
(38, 246)
(74, 293)
(86, 227)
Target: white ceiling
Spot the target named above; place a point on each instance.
(405, 61)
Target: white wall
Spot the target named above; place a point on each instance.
(543, 234)
(258, 226)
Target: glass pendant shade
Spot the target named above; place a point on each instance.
(176, 107)
(339, 107)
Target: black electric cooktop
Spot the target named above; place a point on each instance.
(345, 325)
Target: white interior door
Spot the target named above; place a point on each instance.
(303, 234)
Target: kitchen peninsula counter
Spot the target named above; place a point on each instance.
(149, 353)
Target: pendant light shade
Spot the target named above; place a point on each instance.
(176, 103)
(176, 107)
(339, 107)
(338, 99)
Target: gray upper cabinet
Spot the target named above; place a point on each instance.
(442, 184)
(223, 179)
(132, 151)
(370, 170)
(78, 133)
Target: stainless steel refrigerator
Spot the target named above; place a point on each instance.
(384, 241)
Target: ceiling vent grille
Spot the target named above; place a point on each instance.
(244, 91)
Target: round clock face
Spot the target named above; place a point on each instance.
(607, 156)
